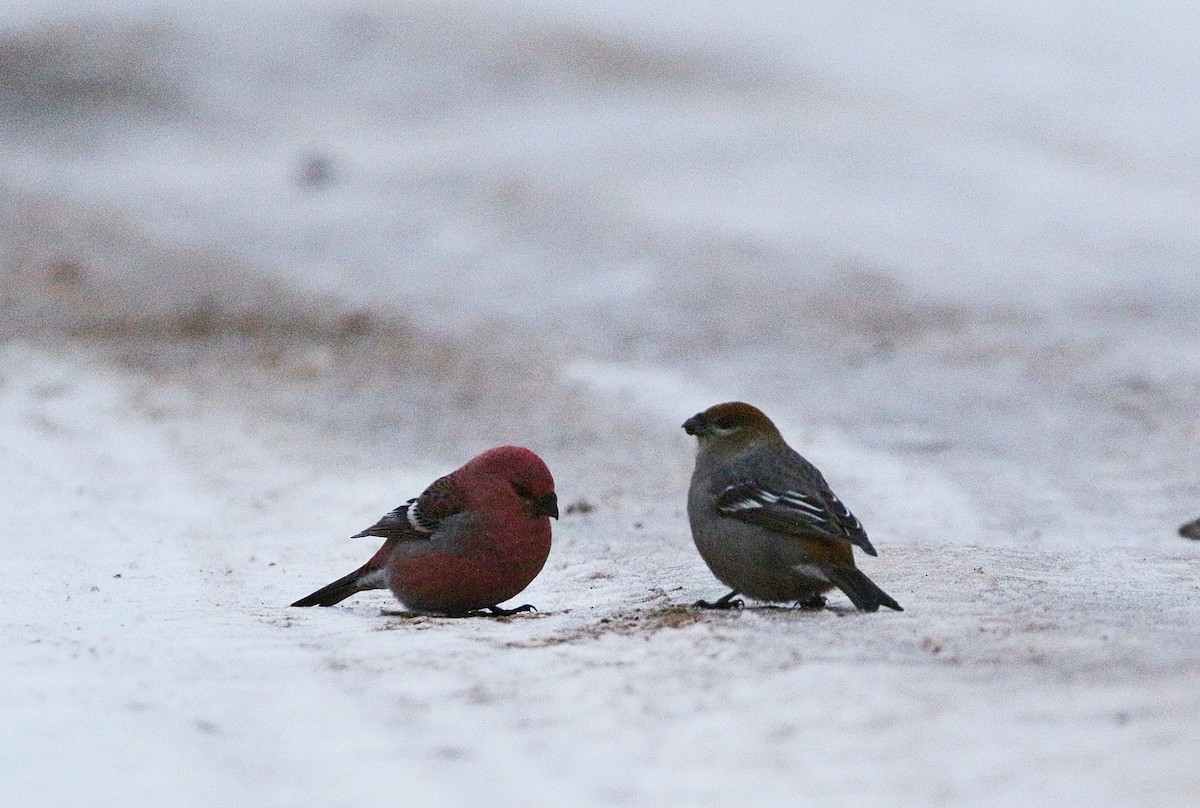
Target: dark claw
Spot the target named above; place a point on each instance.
(815, 602)
(730, 601)
(487, 611)
(736, 603)
(497, 611)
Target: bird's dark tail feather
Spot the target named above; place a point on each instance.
(369, 576)
(336, 592)
(861, 590)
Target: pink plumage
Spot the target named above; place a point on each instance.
(473, 539)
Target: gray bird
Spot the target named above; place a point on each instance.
(765, 520)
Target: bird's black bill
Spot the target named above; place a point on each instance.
(543, 506)
(695, 424)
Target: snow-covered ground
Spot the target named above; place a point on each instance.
(267, 269)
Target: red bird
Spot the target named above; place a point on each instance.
(473, 539)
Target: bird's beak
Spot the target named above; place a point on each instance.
(546, 506)
(695, 424)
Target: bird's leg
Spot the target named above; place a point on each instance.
(498, 611)
(730, 601)
(815, 602)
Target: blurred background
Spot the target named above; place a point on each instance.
(948, 229)
(307, 256)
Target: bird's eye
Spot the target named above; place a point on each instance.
(522, 491)
(724, 425)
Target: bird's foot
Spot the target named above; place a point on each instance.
(499, 611)
(815, 602)
(730, 601)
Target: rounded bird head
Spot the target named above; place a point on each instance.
(731, 426)
(525, 473)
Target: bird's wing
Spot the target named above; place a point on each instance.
(807, 515)
(417, 519)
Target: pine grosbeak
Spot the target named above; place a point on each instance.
(764, 519)
(473, 539)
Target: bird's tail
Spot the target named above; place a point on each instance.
(369, 576)
(862, 591)
(335, 592)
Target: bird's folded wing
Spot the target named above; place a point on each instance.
(806, 515)
(419, 518)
